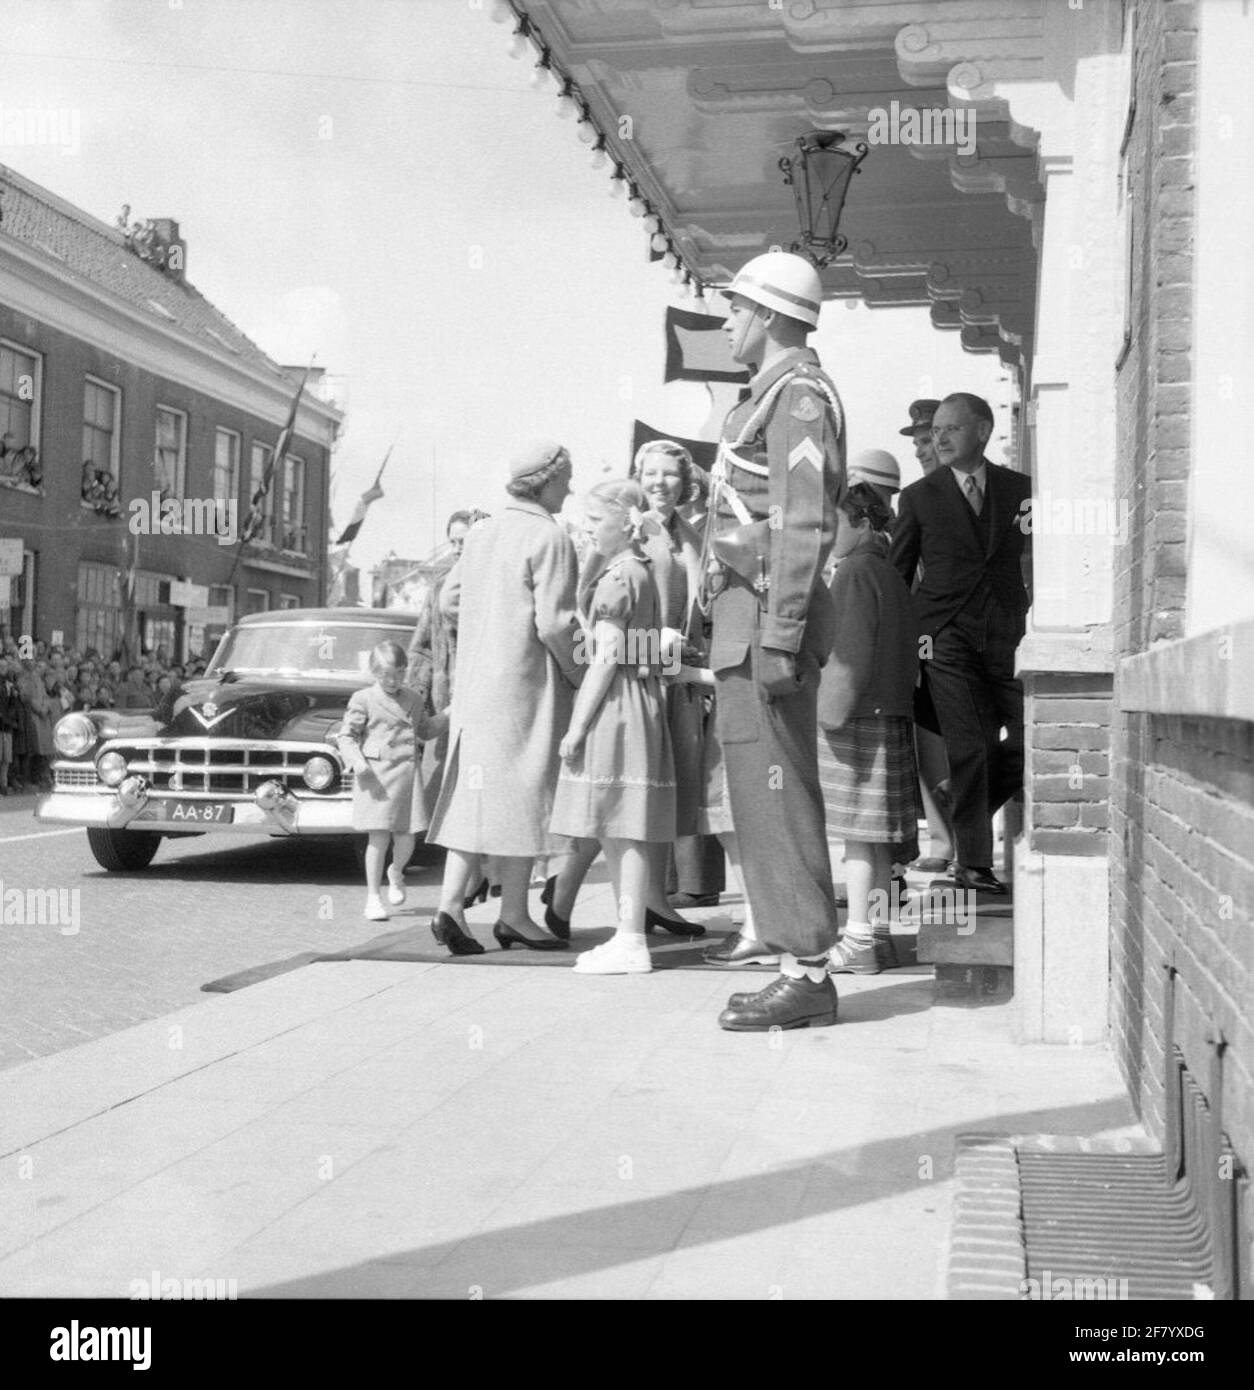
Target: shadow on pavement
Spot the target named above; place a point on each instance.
(579, 1243)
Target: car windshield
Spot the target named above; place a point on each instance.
(292, 649)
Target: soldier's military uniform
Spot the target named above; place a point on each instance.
(781, 461)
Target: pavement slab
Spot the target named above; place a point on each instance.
(376, 1129)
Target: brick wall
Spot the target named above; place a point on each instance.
(61, 533)
(1067, 774)
(1182, 830)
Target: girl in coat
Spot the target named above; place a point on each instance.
(866, 727)
(383, 726)
(617, 783)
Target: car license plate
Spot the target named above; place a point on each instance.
(201, 812)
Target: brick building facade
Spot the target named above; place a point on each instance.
(117, 381)
(1182, 750)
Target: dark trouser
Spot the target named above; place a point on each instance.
(770, 754)
(973, 687)
(696, 866)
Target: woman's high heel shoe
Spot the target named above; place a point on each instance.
(675, 925)
(448, 933)
(559, 926)
(506, 936)
(480, 895)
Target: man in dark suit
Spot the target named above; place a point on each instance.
(966, 522)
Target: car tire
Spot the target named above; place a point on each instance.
(122, 849)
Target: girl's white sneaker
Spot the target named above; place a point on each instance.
(620, 955)
(396, 888)
(375, 911)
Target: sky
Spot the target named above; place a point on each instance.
(377, 183)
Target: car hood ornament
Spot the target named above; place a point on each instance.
(208, 714)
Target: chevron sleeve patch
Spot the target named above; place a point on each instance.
(807, 451)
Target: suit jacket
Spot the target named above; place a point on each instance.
(874, 662)
(935, 525)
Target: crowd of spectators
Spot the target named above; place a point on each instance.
(39, 682)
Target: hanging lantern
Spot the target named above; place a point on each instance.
(819, 174)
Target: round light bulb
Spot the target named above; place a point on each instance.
(636, 205)
(542, 77)
(670, 261)
(658, 242)
(653, 223)
(599, 158)
(618, 185)
(567, 106)
(586, 131)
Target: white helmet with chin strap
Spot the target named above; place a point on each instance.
(779, 280)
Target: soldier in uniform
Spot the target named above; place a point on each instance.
(780, 471)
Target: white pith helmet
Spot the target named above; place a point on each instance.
(875, 466)
(782, 281)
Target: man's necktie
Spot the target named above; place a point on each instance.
(974, 495)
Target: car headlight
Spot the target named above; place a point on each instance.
(74, 735)
(319, 773)
(111, 768)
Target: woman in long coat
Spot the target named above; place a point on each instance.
(512, 597)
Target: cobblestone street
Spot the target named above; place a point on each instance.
(205, 908)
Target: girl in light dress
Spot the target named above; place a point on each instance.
(383, 726)
(617, 781)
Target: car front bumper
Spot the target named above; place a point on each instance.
(325, 815)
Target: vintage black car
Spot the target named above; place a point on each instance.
(246, 749)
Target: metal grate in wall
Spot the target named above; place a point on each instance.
(1112, 1227)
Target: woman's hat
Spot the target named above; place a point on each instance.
(533, 458)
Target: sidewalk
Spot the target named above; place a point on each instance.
(369, 1129)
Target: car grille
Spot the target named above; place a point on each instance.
(76, 777)
(220, 767)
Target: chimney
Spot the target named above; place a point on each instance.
(171, 247)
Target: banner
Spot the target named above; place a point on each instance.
(696, 349)
(702, 450)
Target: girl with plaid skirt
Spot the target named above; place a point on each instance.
(866, 725)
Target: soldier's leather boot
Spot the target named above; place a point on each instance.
(784, 1003)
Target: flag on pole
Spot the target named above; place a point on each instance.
(256, 518)
(349, 533)
(129, 585)
(371, 494)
